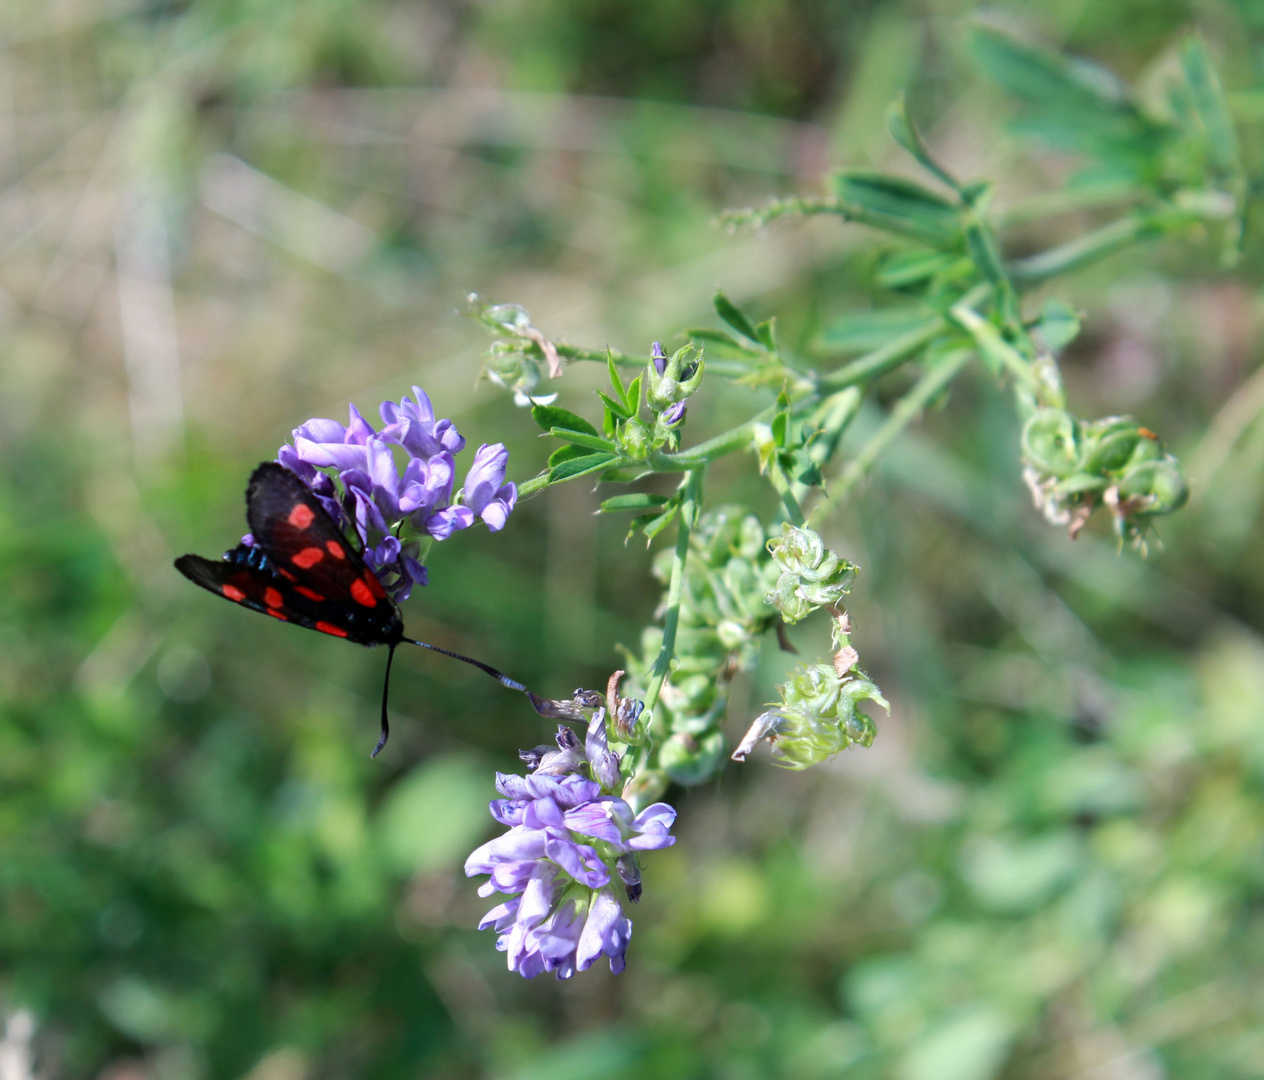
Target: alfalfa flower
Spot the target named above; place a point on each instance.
(401, 478)
(568, 860)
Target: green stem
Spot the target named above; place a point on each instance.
(891, 355)
(688, 518)
(704, 453)
(728, 368)
(906, 410)
(992, 344)
(785, 489)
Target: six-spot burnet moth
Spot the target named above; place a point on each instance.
(301, 569)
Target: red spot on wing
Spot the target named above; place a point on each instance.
(311, 594)
(307, 558)
(286, 574)
(278, 615)
(335, 549)
(362, 594)
(272, 598)
(301, 516)
(330, 628)
(375, 586)
(233, 593)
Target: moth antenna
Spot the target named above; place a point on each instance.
(386, 690)
(500, 677)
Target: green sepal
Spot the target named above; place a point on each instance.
(552, 416)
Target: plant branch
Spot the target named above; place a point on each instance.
(688, 517)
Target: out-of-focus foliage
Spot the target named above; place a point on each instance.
(220, 218)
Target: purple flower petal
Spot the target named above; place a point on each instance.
(446, 522)
(599, 930)
(578, 860)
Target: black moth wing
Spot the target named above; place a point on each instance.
(254, 586)
(301, 568)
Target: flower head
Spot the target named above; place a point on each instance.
(401, 476)
(569, 857)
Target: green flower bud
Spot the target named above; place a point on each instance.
(1051, 442)
(812, 576)
(635, 439)
(680, 376)
(690, 760)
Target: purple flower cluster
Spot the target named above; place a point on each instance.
(569, 838)
(378, 496)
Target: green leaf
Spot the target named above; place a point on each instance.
(905, 268)
(640, 500)
(551, 416)
(1071, 103)
(984, 250)
(567, 453)
(735, 317)
(634, 394)
(657, 524)
(617, 407)
(1207, 98)
(766, 331)
(1058, 324)
(723, 339)
(582, 438)
(899, 206)
(616, 381)
(904, 132)
(580, 466)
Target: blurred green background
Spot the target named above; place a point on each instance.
(221, 217)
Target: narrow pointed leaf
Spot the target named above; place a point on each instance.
(735, 317)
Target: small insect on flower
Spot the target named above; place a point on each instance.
(301, 568)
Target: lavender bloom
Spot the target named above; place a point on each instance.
(674, 414)
(377, 496)
(486, 493)
(569, 854)
(658, 357)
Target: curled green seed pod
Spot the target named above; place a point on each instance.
(1157, 487)
(818, 715)
(1051, 442)
(812, 576)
